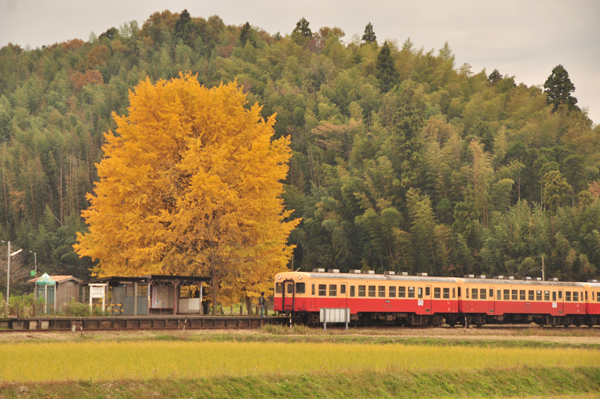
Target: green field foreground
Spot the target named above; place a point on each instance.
(105, 361)
(140, 369)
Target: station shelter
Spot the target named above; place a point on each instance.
(56, 291)
(152, 294)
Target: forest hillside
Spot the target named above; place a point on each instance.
(402, 160)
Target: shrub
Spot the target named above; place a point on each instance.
(74, 308)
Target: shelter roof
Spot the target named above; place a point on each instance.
(159, 278)
(58, 279)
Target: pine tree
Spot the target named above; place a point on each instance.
(369, 35)
(385, 71)
(558, 87)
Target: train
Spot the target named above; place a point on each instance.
(421, 300)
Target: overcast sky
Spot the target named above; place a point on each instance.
(525, 39)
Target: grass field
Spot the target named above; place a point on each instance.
(306, 365)
(107, 361)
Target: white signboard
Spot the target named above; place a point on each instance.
(96, 291)
(420, 302)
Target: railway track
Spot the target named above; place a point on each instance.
(180, 322)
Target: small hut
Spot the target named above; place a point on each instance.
(56, 290)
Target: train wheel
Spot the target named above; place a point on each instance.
(437, 320)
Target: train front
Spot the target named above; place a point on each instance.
(290, 292)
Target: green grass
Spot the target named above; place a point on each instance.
(107, 361)
(522, 382)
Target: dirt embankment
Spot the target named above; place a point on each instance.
(560, 335)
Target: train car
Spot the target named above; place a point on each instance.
(506, 300)
(421, 300)
(372, 298)
(592, 310)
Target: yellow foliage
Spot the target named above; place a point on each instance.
(191, 184)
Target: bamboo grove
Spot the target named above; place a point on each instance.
(401, 159)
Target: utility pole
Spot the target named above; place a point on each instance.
(543, 272)
(8, 272)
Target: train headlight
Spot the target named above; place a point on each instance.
(299, 277)
(279, 277)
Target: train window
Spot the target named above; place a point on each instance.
(453, 296)
(538, 295)
(507, 295)
(446, 293)
(459, 294)
(372, 291)
(559, 294)
(575, 296)
(546, 295)
(343, 289)
(586, 295)
(522, 295)
(381, 291)
(531, 295)
(568, 296)
(498, 295)
(553, 296)
(475, 293)
(362, 290)
(401, 292)
(420, 292)
(352, 291)
(427, 291)
(597, 296)
(300, 288)
(491, 293)
(482, 293)
(467, 293)
(290, 288)
(278, 288)
(411, 292)
(332, 290)
(437, 292)
(392, 292)
(514, 295)
(322, 289)
(313, 290)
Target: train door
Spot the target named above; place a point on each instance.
(427, 299)
(343, 302)
(491, 301)
(289, 295)
(559, 305)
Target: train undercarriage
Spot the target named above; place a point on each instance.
(451, 319)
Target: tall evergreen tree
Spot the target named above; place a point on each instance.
(369, 36)
(558, 87)
(385, 71)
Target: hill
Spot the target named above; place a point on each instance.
(402, 160)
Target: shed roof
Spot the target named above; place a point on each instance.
(160, 278)
(58, 279)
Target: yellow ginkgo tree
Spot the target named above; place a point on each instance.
(191, 183)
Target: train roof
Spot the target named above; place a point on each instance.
(466, 280)
(376, 277)
(521, 282)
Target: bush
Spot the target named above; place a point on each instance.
(74, 308)
(24, 305)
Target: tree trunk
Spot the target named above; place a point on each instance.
(249, 306)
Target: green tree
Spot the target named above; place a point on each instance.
(246, 35)
(369, 35)
(495, 77)
(558, 88)
(385, 71)
(302, 32)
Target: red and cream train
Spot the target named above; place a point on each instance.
(422, 301)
